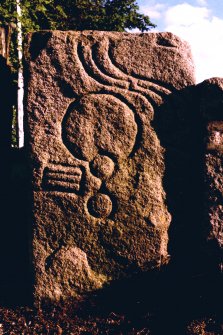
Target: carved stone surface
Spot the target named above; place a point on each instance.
(99, 209)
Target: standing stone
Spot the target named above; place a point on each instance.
(99, 209)
(211, 104)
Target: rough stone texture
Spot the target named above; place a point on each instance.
(99, 208)
(186, 125)
(211, 104)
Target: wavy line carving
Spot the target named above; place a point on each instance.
(97, 63)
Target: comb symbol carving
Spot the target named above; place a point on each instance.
(62, 178)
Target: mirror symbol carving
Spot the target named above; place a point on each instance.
(100, 129)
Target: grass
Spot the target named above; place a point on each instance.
(156, 304)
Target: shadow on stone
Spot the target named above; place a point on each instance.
(15, 282)
(180, 129)
(159, 302)
(14, 279)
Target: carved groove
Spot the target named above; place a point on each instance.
(87, 69)
(170, 88)
(120, 82)
(94, 70)
(62, 178)
(86, 58)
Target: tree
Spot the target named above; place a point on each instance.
(116, 15)
(20, 90)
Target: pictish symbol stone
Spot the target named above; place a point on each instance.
(91, 98)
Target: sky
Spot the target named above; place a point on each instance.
(200, 22)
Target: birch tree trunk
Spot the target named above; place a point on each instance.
(20, 94)
(3, 42)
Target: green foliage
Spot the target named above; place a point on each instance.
(7, 12)
(114, 15)
(36, 14)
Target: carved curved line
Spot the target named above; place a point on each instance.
(151, 96)
(113, 198)
(147, 95)
(65, 141)
(108, 73)
(95, 72)
(91, 74)
(151, 81)
(84, 65)
(125, 99)
(85, 55)
(111, 70)
(154, 87)
(107, 67)
(121, 96)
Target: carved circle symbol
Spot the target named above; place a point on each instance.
(99, 123)
(102, 166)
(100, 205)
(95, 128)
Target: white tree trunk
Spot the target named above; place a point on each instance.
(3, 43)
(20, 94)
